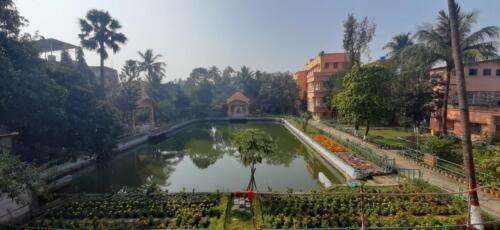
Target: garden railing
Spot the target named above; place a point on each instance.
(410, 173)
(451, 168)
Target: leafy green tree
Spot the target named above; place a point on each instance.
(17, 176)
(364, 97)
(99, 31)
(357, 35)
(130, 89)
(66, 59)
(82, 67)
(306, 117)
(478, 45)
(155, 72)
(10, 20)
(199, 89)
(278, 94)
(107, 127)
(253, 145)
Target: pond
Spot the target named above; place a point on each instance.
(201, 158)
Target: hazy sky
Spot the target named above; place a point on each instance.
(270, 35)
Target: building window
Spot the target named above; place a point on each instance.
(475, 128)
(498, 72)
(327, 65)
(472, 72)
(486, 72)
(450, 125)
(335, 65)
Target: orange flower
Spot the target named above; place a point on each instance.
(329, 143)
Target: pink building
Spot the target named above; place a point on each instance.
(483, 95)
(318, 72)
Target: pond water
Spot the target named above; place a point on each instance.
(201, 158)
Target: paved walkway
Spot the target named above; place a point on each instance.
(487, 202)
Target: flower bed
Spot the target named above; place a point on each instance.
(138, 211)
(329, 143)
(343, 153)
(334, 211)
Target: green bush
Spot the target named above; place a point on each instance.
(439, 146)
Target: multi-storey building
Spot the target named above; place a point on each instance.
(313, 80)
(482, 81)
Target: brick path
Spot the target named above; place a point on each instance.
(487, 202)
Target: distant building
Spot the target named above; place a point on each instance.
(111, 82)
(483, 96)
(313, 81)
(238, 105)
(50, 49)
(144, 115)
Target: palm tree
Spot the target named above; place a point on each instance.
(99, 31)
(155, 71)
(150, 63)
(475, 211)
(398, 44)
(477, 45)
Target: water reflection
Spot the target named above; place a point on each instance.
(201, 157)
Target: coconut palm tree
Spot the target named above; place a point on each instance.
(155, 71)
(398, 44)
(456, 43)
(150, 63)
(478, 45)
(99, 31)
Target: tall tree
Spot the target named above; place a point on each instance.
(398, 44)
(99, 31)
(412, 87)
(81, 65)
(357, 35)
(10, 20)
(66, 59)
(478, 45)
(247, 82)
(155, 72)
(130, 89)
(364, 98)
(454, 20)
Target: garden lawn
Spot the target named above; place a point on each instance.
(386, 137)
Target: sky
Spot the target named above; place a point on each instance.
(268, 35)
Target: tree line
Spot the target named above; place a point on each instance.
(399, 89)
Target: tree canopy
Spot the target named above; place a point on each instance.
(364, 98)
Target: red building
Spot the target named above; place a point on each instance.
(483, 96)
(313, 81)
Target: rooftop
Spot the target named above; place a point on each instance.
(51, 44)
(238, 96)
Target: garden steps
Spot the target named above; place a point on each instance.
(488, 203)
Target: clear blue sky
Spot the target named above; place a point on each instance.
(270, 35)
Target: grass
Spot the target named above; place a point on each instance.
(218, 223)
(385, 137)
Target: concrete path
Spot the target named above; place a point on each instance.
(487, 202)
